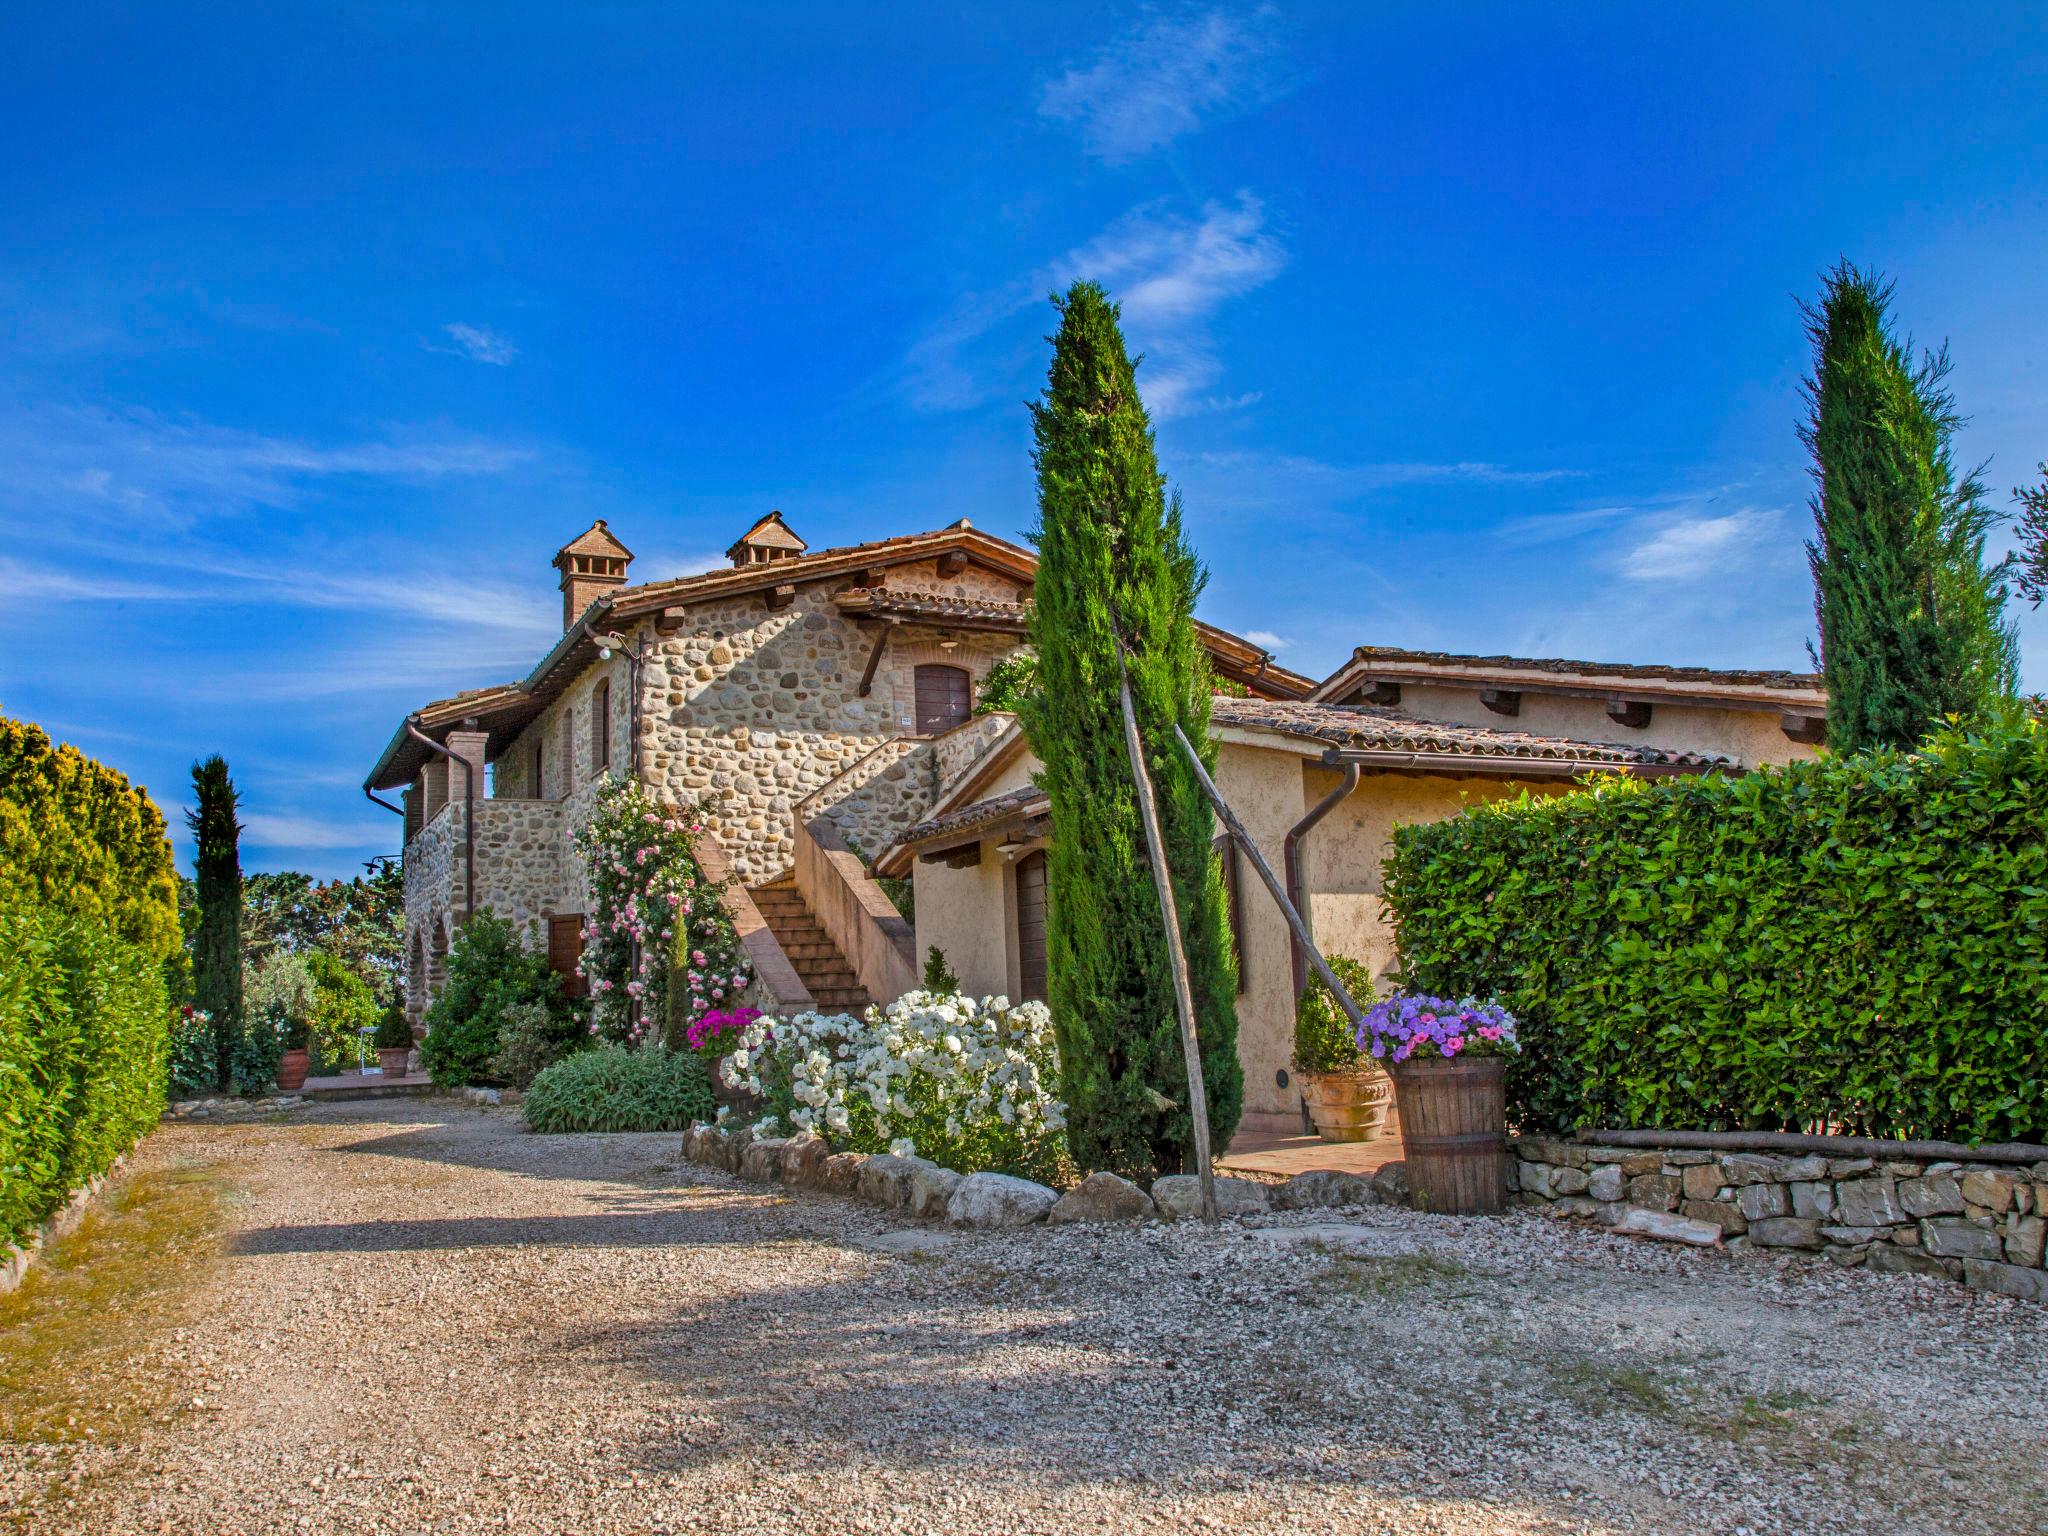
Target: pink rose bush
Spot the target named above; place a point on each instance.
(657, 923)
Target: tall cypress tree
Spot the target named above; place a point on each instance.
(1113, 560)
(217, 872)
(1912, 625)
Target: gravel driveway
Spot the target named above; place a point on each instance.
(428, 1320)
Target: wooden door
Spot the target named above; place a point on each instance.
(1031, 926)
(944, 697)
(565, 950)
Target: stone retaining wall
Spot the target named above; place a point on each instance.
(1981, 1224)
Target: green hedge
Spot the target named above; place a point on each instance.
(88, 928)
(1860, 941)
(620, 1088)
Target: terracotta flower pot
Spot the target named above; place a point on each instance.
(392, 1059)
(291, 1070)
(1454, 1130)
(1348, 1106)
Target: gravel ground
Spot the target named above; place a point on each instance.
(429, 1320)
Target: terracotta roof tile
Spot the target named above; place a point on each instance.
(993, 811)
(1366, 728)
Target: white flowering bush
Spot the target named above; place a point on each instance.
(969, 1084)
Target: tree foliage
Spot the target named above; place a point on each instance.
(490, 972)
(360, 921)
(1856, 941)
(1114, 561)
(1912, 628)
(2033, 538)
(217, 874)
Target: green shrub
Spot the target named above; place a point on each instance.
(490, 972)
(89, 947)
(342, 1007)
(394, 1029)
(619, 1088)
(938, 975)
(1860, 942)
(253, 1058)
(84, 1046)
(532, 1038)
(1323, 1038)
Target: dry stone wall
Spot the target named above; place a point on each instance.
(1982, 1224)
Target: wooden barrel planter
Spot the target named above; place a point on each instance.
(1348, 1106)
(1454, 1131)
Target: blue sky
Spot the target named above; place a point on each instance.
(1468, 327)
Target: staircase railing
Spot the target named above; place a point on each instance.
(854, 912)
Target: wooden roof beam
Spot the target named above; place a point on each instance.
(1633, 713)
(1807, 730)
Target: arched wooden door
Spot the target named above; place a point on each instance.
(1031, 926)
(944, 697)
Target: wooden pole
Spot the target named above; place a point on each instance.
(1243, 840)
(1176, 955)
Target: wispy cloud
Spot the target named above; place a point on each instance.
(115, 466)
(1167, 77)
(1686, 548)
(1171, 273)
(266, 830)
(478, 343)
(1268, 639)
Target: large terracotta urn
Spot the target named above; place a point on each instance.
(292, 1067)
(1348, 1106)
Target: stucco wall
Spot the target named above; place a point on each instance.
(1753, 737)
(966, 913)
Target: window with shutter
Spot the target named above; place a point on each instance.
(565, 951)
(944, 697)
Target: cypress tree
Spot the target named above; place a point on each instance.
(1113, 560)
(1912, 625)
(217, 870)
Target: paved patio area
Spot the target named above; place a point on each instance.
(1275, 1144)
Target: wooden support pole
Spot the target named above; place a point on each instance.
(1243, 839)
(1176, 955)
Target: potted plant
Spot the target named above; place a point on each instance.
(1346, 1091)
(1448, 1059)
(293, 1065)
(713, 1035)
(393, 1040)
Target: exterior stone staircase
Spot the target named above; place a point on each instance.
(816, 959)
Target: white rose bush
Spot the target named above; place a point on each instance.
(969, 1084)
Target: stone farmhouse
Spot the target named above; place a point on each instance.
(823, 705)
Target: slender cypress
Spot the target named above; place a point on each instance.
(217, 871)
(2032, 578)
(1113, 560)
(1912, 626)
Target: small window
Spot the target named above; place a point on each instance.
(1233, 904)
(565, 951)
(601, 727)
(944, 698)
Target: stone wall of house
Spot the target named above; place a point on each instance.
(430, 864)
(1982, 1224)
(963, 746)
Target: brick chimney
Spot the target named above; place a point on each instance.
(591, 564)
(769, 539)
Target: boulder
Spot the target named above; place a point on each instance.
(998, 1200)
(1936, 1194)
(1654, 1191)
(1607, 1182)
(1629, 1162)
(2006, 1279)
(1323, 1187)
(1958, 1237)
(1702, 1181)
(1868, 1203)
(2024, 1240)
(1666, 1227)
(762, 1160)
(1758, 1201)
(1740, 1168)
(1993, 1191)
(1890, 1259)
(930, 1190)
(839, 1174)
(1802, 1170)
(1105, 1197)
(1391, 1184)
(1180, 1194)
(1569, 1181)
(1725, 1214)
(1813, 1199)
(885, 1179)
(802, 1155)
(1535, 1179)
(1785, 1232)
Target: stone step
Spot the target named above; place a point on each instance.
(833, 984)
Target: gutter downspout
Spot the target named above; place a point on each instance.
(468, 814)
(1291, 859)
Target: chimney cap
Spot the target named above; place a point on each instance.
(769, 539)
(597, 539)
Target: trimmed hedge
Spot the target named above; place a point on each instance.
(620, 1088)
(1861, 941)
(88, 927)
